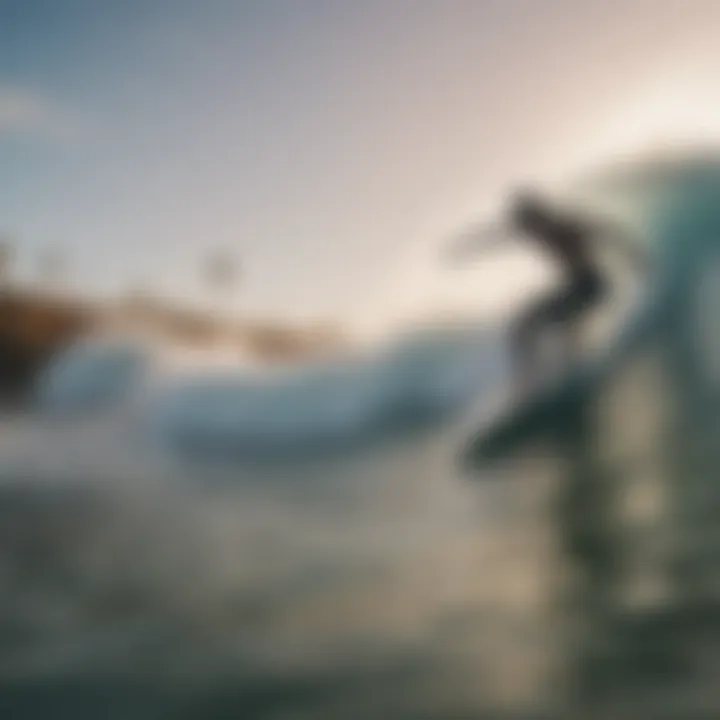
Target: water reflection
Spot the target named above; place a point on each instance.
(387, 572)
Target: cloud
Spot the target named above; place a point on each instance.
(24, 112)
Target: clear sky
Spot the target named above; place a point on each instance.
(322, 141)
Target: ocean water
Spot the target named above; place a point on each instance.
(298, 543)
(376, 582)
(307, 545)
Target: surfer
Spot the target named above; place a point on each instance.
(571, 243)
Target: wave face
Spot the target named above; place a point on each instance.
(416, 381)
(90, 375)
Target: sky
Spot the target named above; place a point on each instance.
(328, 145)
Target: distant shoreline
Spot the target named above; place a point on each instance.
(35, 325)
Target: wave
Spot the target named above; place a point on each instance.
(93, 373)
(419, 378)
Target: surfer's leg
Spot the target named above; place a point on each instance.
(570, 312)
(526, 336)
(523, 351)
(561, 310)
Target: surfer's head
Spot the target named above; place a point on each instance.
(529, 212)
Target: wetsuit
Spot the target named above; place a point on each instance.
(583, 288)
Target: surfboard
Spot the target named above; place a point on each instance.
(537, 418)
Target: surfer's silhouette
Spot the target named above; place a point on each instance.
(571, 242)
